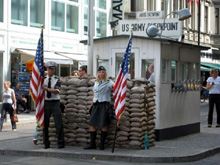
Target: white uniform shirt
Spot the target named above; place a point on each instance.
(215, 89)
(55, 84)
(8, 96)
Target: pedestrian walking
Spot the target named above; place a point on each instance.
(9, 104)
(52, 105)
(213, 85)
(99, 114)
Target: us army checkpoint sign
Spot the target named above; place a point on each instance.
(172, 28)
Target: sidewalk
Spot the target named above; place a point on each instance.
(183, 149)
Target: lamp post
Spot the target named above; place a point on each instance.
(153, 31)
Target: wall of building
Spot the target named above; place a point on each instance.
(25, 36)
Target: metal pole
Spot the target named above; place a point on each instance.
(90, 39)
(199, 14)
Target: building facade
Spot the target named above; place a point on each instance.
(209, 18)
(65, 24)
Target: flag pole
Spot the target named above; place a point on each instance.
(113, 147)
(117, 123)
(199, 14)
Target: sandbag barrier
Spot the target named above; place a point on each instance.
(138, 118)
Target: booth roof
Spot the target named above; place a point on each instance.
(147, 38)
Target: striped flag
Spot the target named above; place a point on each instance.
(121, 83)
(37, 82)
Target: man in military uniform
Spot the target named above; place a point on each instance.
(52, 105)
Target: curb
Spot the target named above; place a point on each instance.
(124, 158)
(8, 125)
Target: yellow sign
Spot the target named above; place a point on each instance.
(29, 66)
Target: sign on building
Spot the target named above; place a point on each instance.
(117, 12)
(172, 28)
(149, 15)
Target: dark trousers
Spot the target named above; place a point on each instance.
(53, 107)
(22, 103)
(6, 107)
(214, 99)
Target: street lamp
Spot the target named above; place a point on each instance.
(153, 31)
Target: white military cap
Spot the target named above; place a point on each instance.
(51, 64)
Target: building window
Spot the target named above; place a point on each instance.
(1, 73)
(151, 5)
(86, 21)
(86, 2)
(19, 12)
(1, 10)
(57, 16)
(119, 59)
(206, 20)
(101, 24)
(164, 71)
(216, 20)
(101, 4)
(74, 0)
(72, 19)
(37, 12)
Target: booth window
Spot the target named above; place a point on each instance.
(37, 12)
(194, 71)
(1, 10)
(145, 70)
(164, 71)
(57, 14)
(104, 63)
(119, 59)
(19, 12)
(101, 24)
(184, 71)
(72, 20)
(173, 71)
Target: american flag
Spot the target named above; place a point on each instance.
(121, 83)
(37, 82)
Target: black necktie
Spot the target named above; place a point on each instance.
(49, 86)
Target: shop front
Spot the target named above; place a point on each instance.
(176, 68)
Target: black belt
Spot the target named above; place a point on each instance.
(52, 100)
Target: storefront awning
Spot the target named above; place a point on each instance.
(202, 68)
(211, 65)
(77, 57)
(48, 56)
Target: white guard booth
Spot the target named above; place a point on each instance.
(177, 105)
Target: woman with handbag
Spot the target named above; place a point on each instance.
(99, 115)
(8, 99)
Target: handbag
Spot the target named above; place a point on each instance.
(14, 117)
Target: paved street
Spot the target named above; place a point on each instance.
(17, 147)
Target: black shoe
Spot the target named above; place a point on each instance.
(61, 146)
(102, 140)
(92, 144)
(46, 146)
